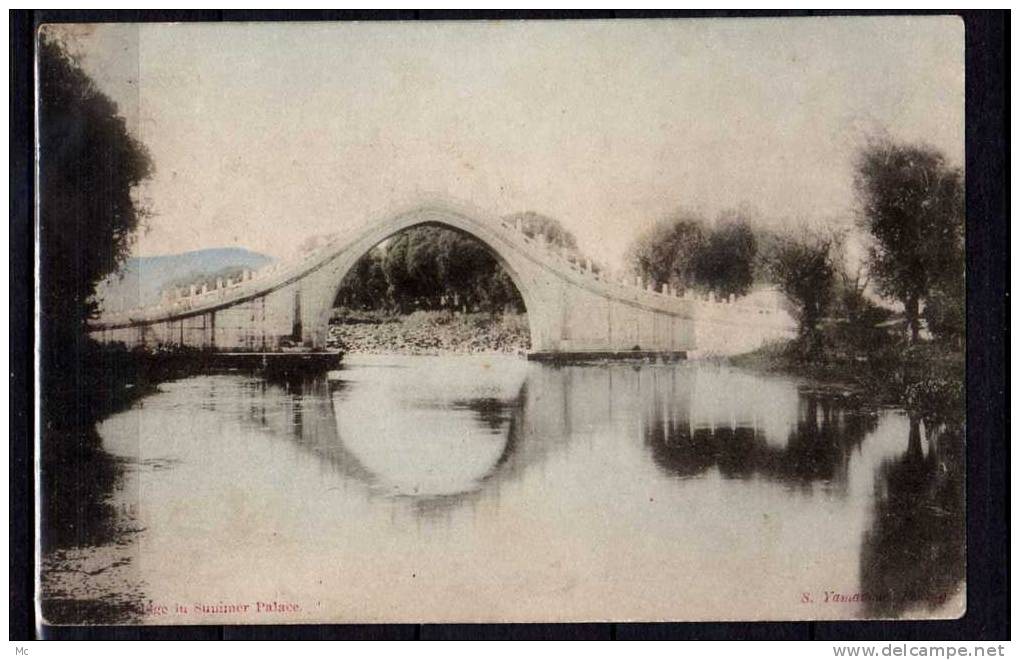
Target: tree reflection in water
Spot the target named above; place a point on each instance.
(78, 480)
(914, 553)
(816, 449)
(426, 443)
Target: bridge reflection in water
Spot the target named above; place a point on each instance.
(449, 442)
(660, 491)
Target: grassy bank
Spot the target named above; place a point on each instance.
(927, 378)
(428, 332)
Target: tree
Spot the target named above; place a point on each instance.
(683, 252)
(421, 266)
(409, 266)
(89, 167)
(858, 321)
(465, 265)
(424, 266)
(802, 268)
(725, 262)
(852, 279)
(668, 252)
(766, 241)
(911, 203)
(365, 286)
(533, 224)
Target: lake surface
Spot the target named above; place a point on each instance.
(489, 488)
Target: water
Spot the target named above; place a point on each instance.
(477, 488)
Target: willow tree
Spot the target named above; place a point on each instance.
(725, 263)
(802, 267)
(912, 204)
(668, 252)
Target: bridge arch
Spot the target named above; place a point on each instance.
(322, 297)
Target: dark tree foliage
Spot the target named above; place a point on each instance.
(912, 204)
(430, 267)
(913, 555)
(802, 268)
(89, 165)
(668, 252)
(725, 263)
(433, 267)
(685, 253)
(766, 241)
(366, 284)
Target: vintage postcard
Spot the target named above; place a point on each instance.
(501, 321)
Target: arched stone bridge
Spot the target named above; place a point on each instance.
(572, 307)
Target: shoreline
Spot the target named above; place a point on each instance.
(429, 332)
(926, 380)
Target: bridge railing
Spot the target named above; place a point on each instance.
(636, 287)
(196, 298)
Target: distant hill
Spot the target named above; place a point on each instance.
(143, 279)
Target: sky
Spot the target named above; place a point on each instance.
(265, 134)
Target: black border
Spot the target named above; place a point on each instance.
(987, 151)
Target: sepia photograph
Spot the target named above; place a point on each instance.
(491, 321)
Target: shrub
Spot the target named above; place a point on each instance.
(936, 399)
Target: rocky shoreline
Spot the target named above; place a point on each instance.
(430, 333)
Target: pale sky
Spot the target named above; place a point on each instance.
(265, 134)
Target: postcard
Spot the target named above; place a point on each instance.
(501, 321)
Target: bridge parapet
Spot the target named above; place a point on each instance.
(636, 290)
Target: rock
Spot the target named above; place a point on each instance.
(434, 332)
